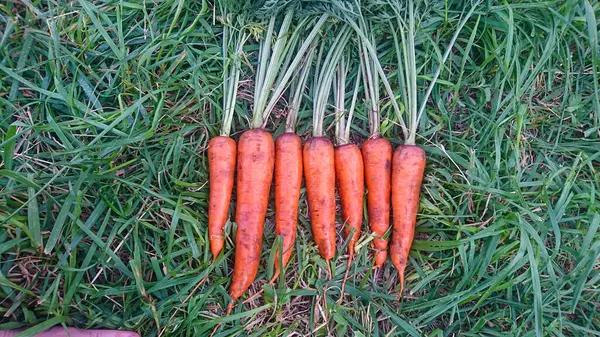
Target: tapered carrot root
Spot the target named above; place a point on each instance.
(256, 157)
(319, 172)
(377, 156)
(288, 181)
(349, 172)
(221, 168)
(408, 167)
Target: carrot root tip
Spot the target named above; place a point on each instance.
(401, 275)
(274, 278)
(230, 307)
(350, 258)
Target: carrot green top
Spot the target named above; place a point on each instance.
(342, 124)
(270, 81)
(405, 17)
(231, 73)
(324, 73)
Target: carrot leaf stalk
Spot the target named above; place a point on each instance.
(324, 73)
(343, 122)
(232, 69)
(297, 87)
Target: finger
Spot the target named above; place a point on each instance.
(8, 333)
(73, 332)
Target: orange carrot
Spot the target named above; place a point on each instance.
(319, 157)
(222, 150)
(256, 157)
(221, 168)
(377, 151)
(377, 155)
(408, 167)
(319, 172)
(288, 180)
(349, 173)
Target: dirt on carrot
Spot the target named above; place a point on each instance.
(319, 172)
(288, 182)
(221, 166)
(256, 159)
(408, 167)
(377, 156)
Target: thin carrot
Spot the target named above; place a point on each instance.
(319, 172)
(349, 172)
(288, 170)
(231, 77)
(377, 151)
(222, 149)
(288, 181)
(408, 167)
(221, 168)
(377, 156)
(256, 159)
(319, 161)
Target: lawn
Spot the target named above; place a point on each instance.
(106, 111)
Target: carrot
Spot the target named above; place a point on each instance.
(319, 172)
(376, 151)
(377, 156)
(408, 162)
(349, 169)
(221, 168)
(288, 170)
(222, 149)
(288, 180)
(408, 167)
(256, 157)
(319, 158)
(349, 172)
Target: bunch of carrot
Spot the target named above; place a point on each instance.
(256, 155)
(392, 179)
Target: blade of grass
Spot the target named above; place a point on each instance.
(33, 216)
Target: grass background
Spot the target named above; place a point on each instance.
(107, 108)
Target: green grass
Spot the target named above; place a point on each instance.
(106, 112)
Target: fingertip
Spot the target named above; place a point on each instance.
(127, 334)
(8, 333)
